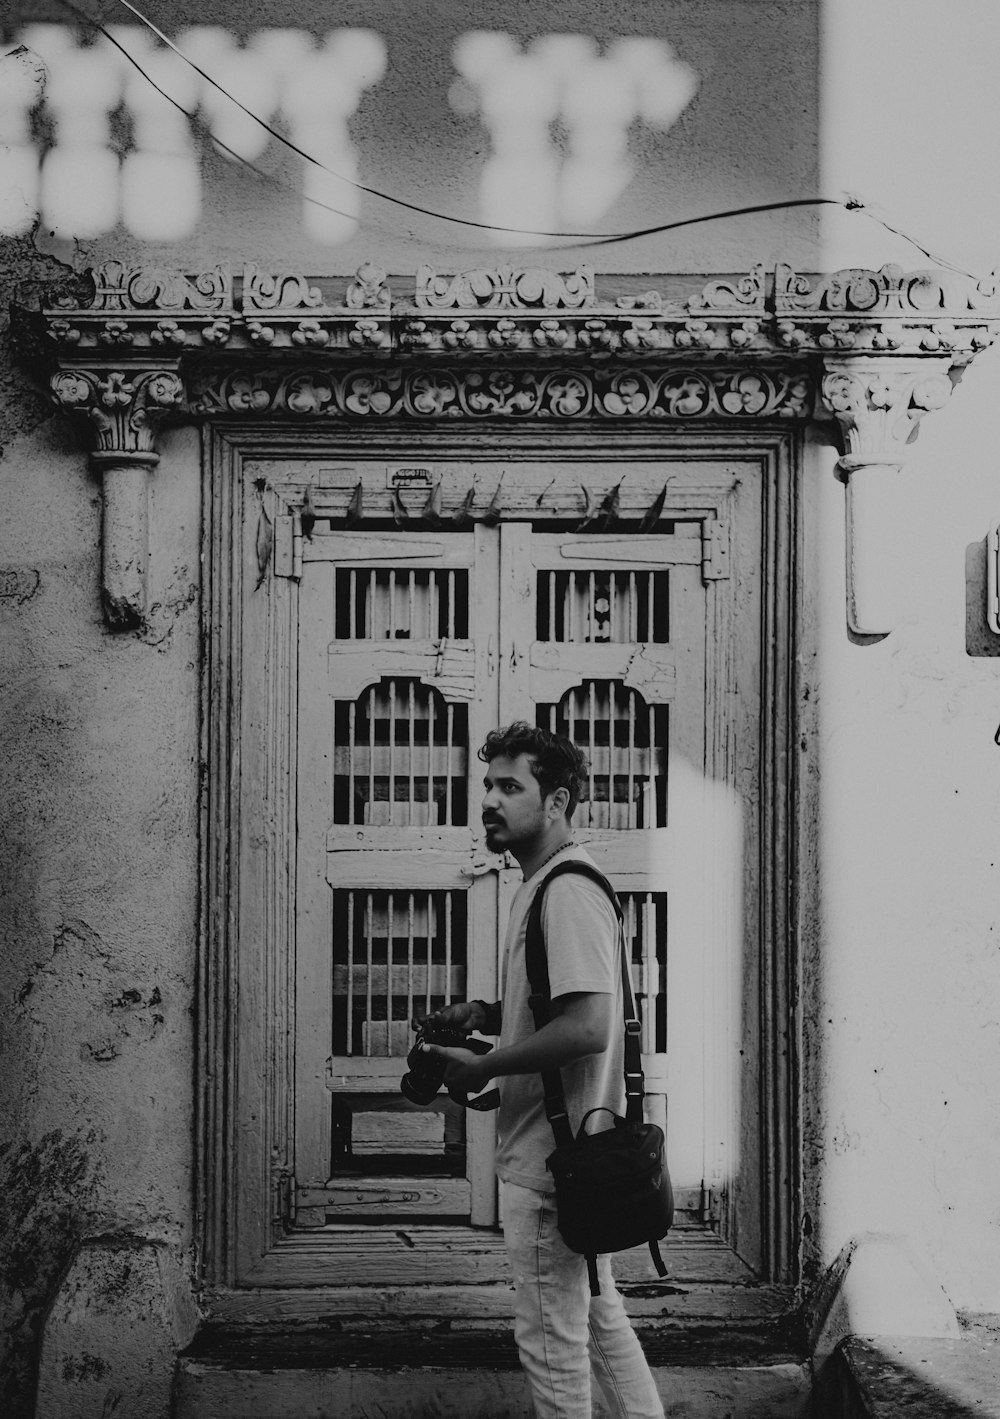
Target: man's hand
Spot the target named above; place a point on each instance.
(467, 1072)
(466, 1016)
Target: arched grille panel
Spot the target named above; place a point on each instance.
(400, 757)
(625, 741)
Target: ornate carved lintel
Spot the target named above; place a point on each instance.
(123, 409)
(516, 344)
(878, 404)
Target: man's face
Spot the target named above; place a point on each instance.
(513, 807)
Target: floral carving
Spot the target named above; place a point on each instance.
(416, 335)
(217, 333)
(367, 394)
(123, 409)
(311, 334)
(459, 336)
(167, 332)
(838, 335)
(118, 287)
(878, 404)
(505, 335)
(725, 295)
(114, 332)
(550, 335)
(368, 290)
(263, 291)
(629, 394)
(505, 288)
(369, 335)
(564, 394)
(598, 337)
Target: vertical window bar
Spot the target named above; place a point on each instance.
(352, 734)
(369, 941)
(591, 716)
(632, 819)
(450, 713)
(390, 955)
(649, 606)
(411, 814)
(447, 948)
(651, 756)
(371, 754)
(350, 974)
(592, 597)
(352, 603)
(409, 965)
(392, 748)
(430, 757)
(451, 605)
(370, 607)
(412, 606)
(633, 610)
(431, 922)
(391, 632)
(612, 626)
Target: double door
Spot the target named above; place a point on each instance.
(412, 645)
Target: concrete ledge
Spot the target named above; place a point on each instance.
(883, 1377)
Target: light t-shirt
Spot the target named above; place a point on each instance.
(581, 944)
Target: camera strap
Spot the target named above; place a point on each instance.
(540, 1001)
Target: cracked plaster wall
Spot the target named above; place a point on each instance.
(99, 863)
(901, 966)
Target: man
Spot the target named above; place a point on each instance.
(533, 783)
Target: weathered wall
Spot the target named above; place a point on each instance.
(902, 975)
(100, 865)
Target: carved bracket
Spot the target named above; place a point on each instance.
(878, 404)
(123, 409)
(872, 348)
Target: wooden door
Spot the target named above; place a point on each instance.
(411, 647)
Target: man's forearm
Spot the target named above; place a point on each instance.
(562, 1041)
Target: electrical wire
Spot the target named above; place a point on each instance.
(574, 239)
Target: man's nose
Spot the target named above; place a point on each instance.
(490, 798)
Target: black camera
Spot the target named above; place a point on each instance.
(424, 1075)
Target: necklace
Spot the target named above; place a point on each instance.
(569, 843)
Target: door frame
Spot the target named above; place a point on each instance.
(243, 1064)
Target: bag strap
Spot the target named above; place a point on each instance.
(540, 1001)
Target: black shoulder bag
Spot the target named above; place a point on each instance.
(612, 1188)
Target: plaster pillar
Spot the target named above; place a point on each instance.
(878, 403)
(123, 409)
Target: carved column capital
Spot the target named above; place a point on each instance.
(878, 404)
(124, 409)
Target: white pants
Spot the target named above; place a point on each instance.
(562, 1331)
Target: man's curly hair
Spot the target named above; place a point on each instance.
(556, 762)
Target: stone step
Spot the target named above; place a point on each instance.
(455, 1371)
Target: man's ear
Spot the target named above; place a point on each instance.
(558, 803)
